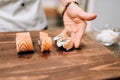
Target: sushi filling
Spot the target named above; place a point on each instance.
(40, 43)
(60, 43)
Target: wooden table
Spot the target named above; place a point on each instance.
(91, 61)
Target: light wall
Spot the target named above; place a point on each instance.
(108, 12)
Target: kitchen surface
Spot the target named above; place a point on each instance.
(91, 61)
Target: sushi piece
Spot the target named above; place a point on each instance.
(63, 40)
(45, 42)
(24, 42)
(66, 43)
(43, 34)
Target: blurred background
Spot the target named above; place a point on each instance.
(108, 15)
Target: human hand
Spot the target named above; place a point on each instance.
(74, 19)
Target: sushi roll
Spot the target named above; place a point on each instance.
(45, 42)
(64, 41)
(24, 42)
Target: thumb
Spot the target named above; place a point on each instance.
(86, 16)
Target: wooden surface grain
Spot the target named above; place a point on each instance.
(91, 61)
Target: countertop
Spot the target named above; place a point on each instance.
(91, 61)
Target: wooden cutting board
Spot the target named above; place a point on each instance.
(90, 61)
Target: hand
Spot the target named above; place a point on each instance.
(74, 19)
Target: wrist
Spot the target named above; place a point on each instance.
(72, 1)
(67, 5)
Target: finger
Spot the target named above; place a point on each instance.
(68, 29)
(64, 31)
(74, 31)
(74, 11)
(86, 16)
(79, 35)
(72, 36)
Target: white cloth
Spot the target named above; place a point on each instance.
(21, 15)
